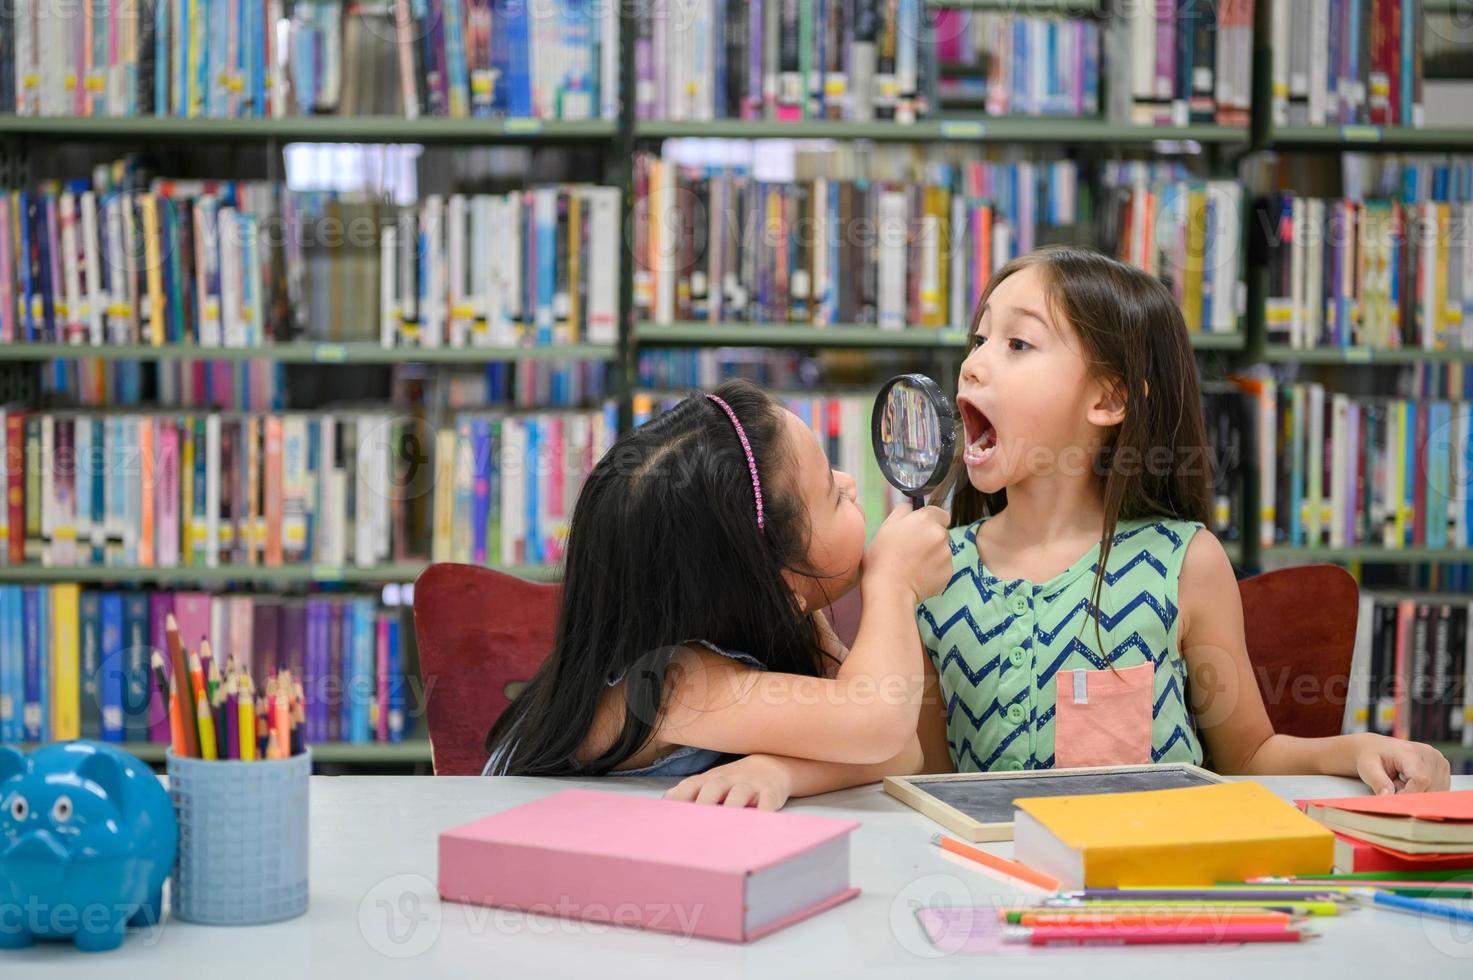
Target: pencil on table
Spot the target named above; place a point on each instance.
(182, 687)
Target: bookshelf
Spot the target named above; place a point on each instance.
(304, 352)
(279, 576)
(988, 129)
(315, 129)
(1284, 354)
(842, 335)
(311, 353)
(615, 140)
(1369, 138)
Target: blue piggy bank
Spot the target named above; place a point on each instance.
(87, 837)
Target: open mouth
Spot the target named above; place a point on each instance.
(981, 435)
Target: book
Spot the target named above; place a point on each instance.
(1352, 855)
(1425, 818)
(1195, 836)
(648, 862)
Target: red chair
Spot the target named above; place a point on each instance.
(481, 635)
(1300, 630)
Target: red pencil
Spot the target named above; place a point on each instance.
(1138, 936)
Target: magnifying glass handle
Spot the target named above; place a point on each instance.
(917, 501)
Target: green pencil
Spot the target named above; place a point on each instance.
(1427, 890)
(1363, 876)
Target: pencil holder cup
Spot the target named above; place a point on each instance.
(242, 839)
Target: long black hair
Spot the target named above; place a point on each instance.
(664, 550)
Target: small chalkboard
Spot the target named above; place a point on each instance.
(979, 806)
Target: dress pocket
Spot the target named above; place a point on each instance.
(1103, 717)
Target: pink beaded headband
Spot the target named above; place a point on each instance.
(746, 448)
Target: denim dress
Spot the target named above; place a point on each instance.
(686, 760)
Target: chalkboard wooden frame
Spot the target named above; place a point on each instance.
(914, 792)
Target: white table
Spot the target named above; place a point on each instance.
(374, 911)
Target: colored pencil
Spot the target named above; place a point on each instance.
(1362, 876)
(246, 719)
(1152, 937)
(1311, 908)
(1409, 889)
(1417, 906)
(1099, 920)
(1012, 868)
(209, 749)
(1210, 894)
(180, 668)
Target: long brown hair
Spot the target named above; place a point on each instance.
(1133, 338)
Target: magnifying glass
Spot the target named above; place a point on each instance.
(913, 429)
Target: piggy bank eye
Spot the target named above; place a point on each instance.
(61, 810)
(19, 808)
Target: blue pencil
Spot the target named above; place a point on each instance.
(1421, 906)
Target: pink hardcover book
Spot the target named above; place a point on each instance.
(160, 605)
(715, 872)
(166, 497)
(192, 613)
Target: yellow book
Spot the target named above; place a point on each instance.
(152, 255)
(1196, 234)
(66, 662)
(1196, 836)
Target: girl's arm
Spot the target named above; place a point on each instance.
(768, 781)
(1229, 709)
(865, 714)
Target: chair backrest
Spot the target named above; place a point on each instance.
(1300, 629)
(481, 634)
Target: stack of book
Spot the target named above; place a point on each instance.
(784, 60)
(1340, 62)
(505, 486)
(279, 58)
(1389, 269)
(1420, 834)
(1413, 668)
(1343, 470)
(1185, 231)
(167, 490)
(238, 264)
(1019, 65)
(718, 244)
(75, 663)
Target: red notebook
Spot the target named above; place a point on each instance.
(696, 870)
